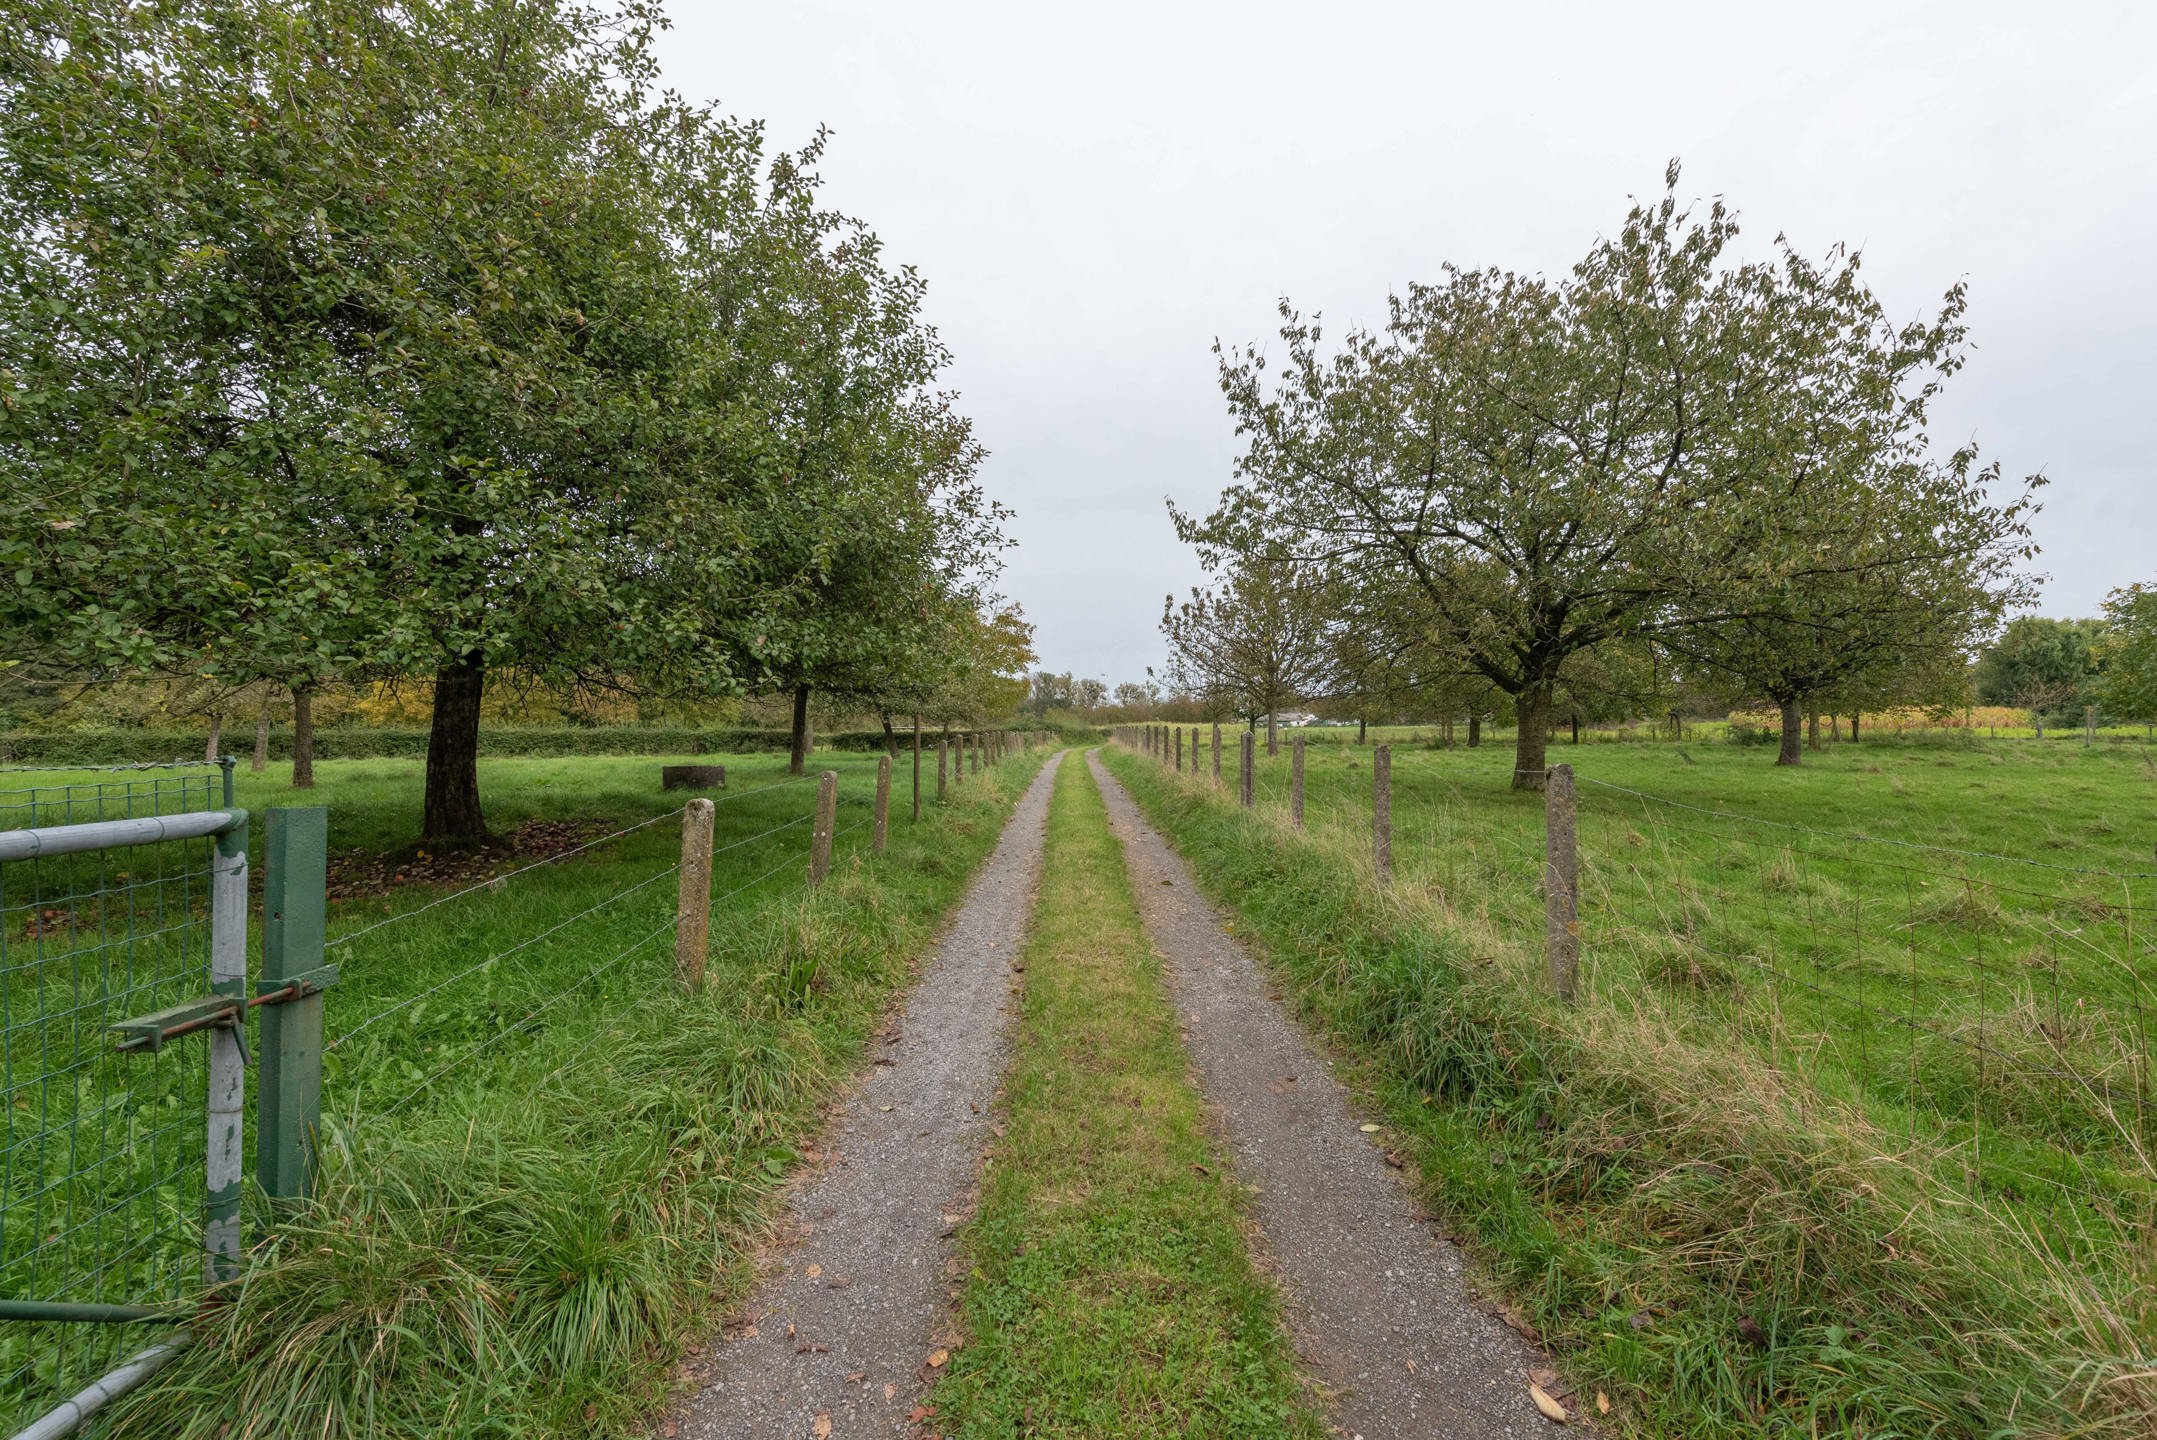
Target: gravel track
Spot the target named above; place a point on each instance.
(836, 1336)
(1378, 1303)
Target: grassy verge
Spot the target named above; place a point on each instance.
(1691, 1230)
(524, 1246)
(1111, 1291)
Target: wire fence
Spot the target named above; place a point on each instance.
(1988, 1013)
(102, 1154)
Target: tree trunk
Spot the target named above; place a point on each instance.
(1532, 741)
(1793, 733)
(1475, 732)
(1576, 729)
(303, 737)
(800, 761)
(261, 757)
(217, 733)
(452, 805)
(1362, 729)
(1812, 730)
(1273, 734)
(891, 737)
(2037, 717)
(1446, 726)
(1855, 715)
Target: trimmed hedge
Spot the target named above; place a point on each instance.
(122, 747)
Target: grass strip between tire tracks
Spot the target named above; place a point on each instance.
(1111, 1290)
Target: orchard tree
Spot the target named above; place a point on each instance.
(1259, 636)
(2042, 665)
(1854, 556)
(1528, 453)
(2126, 654)
(1555, 466)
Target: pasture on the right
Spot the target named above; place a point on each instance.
(1952, 937)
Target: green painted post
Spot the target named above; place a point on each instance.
(295, 856)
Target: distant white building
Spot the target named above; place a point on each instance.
(1292, 719)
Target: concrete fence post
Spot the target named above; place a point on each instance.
(1561, 878)
(1382, 813)
(820, 833)
(1249, 788)
(1295, 781)
(882, 829)
(693, 895)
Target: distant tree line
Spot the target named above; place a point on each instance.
(343, 340)
(1663, 474)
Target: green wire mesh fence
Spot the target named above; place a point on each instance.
(102, 1154)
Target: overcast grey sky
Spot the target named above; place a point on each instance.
(1095, 192)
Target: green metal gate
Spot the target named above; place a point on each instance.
(123, 900)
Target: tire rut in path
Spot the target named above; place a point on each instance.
(856, 1306)
(1378, 1305)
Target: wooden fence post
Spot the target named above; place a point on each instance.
(1249, 788)
(1561, 878)
(882, 829)
(1179, 749)
(827, 814)
(693, 895)
(974, 750)
(1216, 752)
(1382, 812)
(943, 765)
(1295, 781)
(917, 769)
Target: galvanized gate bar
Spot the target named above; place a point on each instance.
(47, 840)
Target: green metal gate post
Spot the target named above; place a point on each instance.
(295, 865)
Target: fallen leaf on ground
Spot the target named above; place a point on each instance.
(1368, 1129)
(918, 1414)
(822, 1428)
(1602, 1402)
(937, 1359)
(890, 1390)
(1551, 1409)
(814, 1271)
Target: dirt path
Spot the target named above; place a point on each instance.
(1377, 1302)
(835, 1339)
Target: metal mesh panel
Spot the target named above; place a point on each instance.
(101, 1154)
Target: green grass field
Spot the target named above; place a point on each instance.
(1816, 1082)
(539, 1154)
